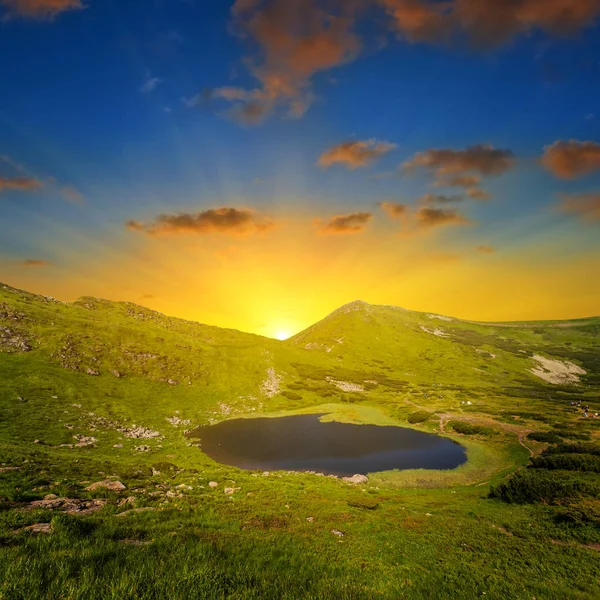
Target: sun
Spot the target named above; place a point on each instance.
(282, 335)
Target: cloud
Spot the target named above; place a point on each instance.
(150, 84)
(571, 159)
(478, 194)
(394, 209)
(427, 218)
(295, 40)
(355, 154)
(72, 194)
(439, 199)
(232, 221)
(22, 184)
(459, 181)
(485, 249)
(40, 9)
(483, 159)
(586, 206)
(487, 23)
(353, 223)
(34, 263)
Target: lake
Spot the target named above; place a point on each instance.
(304, 443)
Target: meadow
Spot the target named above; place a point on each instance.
(103, 495)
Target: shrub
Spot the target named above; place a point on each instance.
(291, 395)
(568, 462)
(419, 416)
(469, 428)
(530, 486)
(593, 449)
(586, 512)
(549, 437)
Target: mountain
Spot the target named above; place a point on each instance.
(101, 486)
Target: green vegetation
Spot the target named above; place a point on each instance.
(467, 428)
(98, 391)
(420, 416)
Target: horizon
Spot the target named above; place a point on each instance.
(252, 165)
(283, 335)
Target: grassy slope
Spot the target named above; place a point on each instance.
(209, 545)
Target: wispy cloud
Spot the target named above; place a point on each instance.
(150, 84)
(21, 184)
(355, 154)
(395, 210)
(34, 263)
(232, 221)
(343, 224)
(72, 194)
(586, 206)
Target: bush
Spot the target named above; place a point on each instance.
(586, 512)
(469, 428)
(593, 449)
(419, 416)
(568, 462)
(530, 486)
(550, 437)
(291, 395)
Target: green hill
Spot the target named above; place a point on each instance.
(98, 389)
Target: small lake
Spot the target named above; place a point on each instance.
(304, 443)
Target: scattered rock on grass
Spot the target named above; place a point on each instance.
(212, 484)
(37, 528)
(337, 533)
(356, 479)
(108, 484)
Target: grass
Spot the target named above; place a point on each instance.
(406, 534)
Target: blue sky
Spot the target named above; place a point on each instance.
(98, 99)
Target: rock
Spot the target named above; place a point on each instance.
(212, 484)
(92, 372)
(310, 519)
(37, 528)
(356, 479)
(230, 491)
(128, 500)
(266, 473)
(68, 505)
(108, 484)
(183, 486)
(83, 440)
(337, 533)
(137, 433)
(7, 469)
(117, 374)
(143, 448)
(117, 445)
(135, 511)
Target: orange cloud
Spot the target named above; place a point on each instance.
(485, 249)
(72, 194)
(355, 154)
(586, 206)
(439, 199)
(22, 184)
(483, 159)
(394, 210)
(40, 9)
(478, 194)
(571, 159)
(459, 181)
(353, 223)
(34, 263)
(232, 221)
(295, 39)
(487, 23)
(427, 217)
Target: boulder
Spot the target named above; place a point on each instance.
(114, 485)
(356, 479)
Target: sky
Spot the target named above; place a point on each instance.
(256, 164)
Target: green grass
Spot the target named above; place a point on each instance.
(407, 534)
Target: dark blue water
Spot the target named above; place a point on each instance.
(304, 443)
